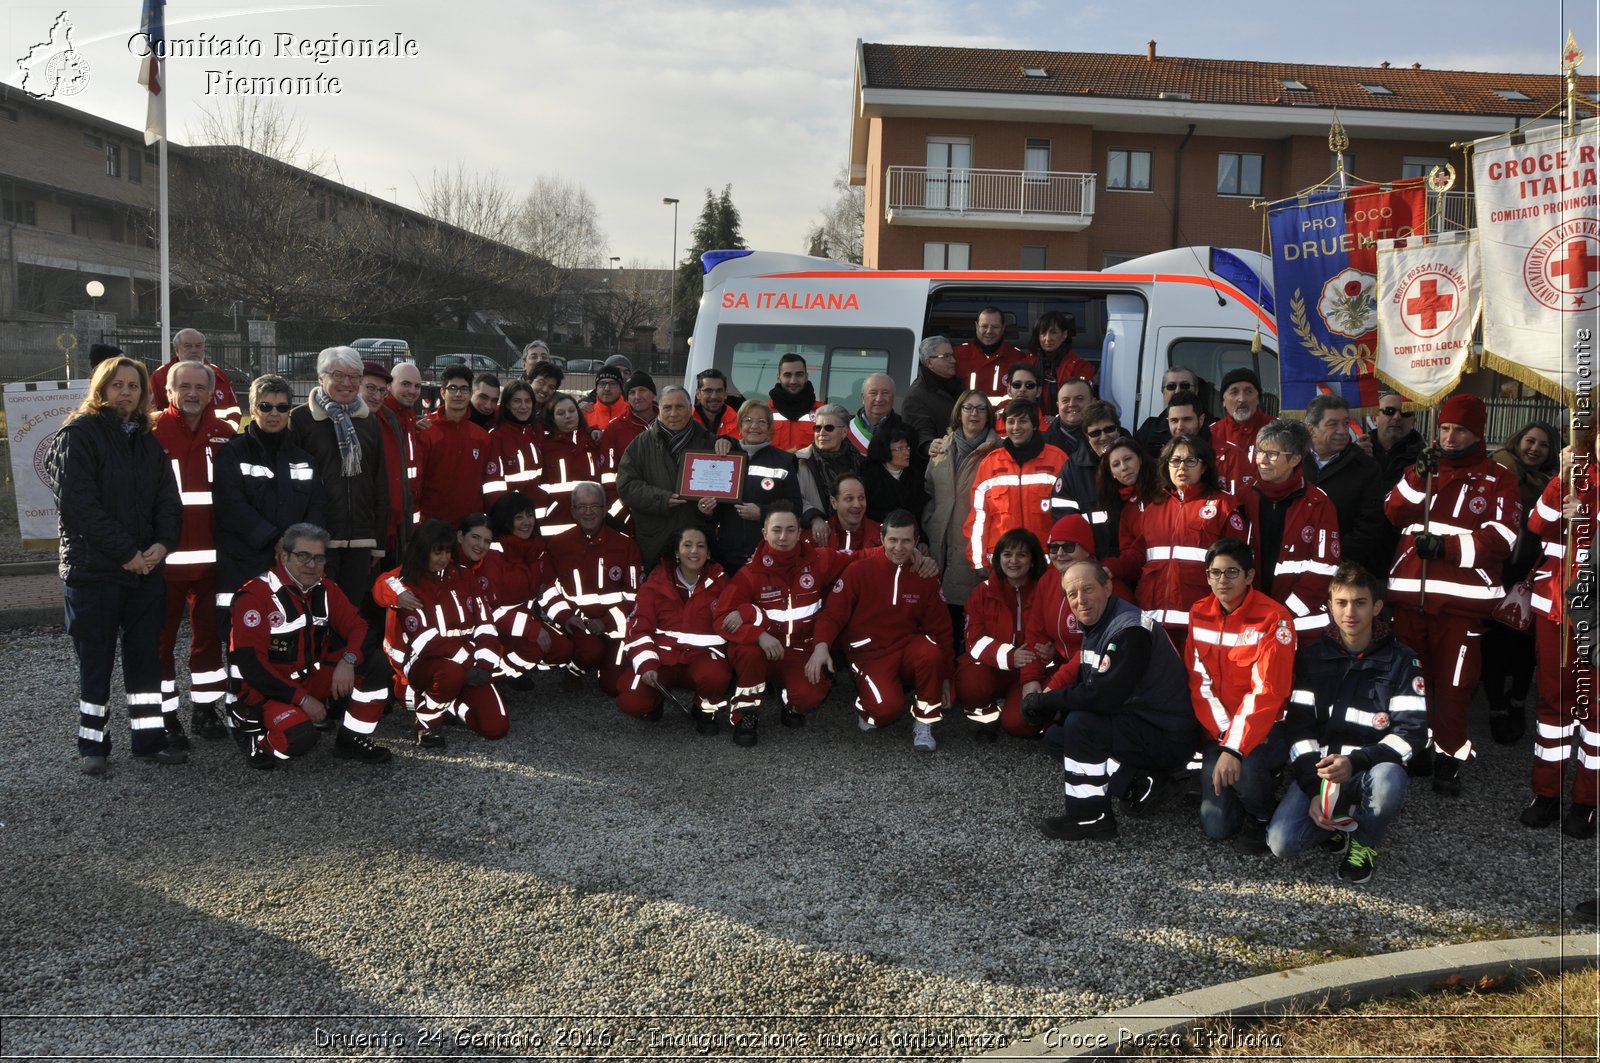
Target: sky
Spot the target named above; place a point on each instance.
(637, 100)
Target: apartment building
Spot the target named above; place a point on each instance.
(996, 159)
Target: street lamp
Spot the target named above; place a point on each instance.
(672, 283)
(611, 311)
(94, 289)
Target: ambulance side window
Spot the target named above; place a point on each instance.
(1211, 360)
(847, 368)
(754, 369)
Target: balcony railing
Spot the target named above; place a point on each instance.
(932, 195)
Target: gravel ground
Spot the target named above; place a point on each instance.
(599, 886)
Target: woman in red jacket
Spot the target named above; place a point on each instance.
(990, 672)
(504, 554)
(440, 638)
(1173, 535)
(515, 443)
(1125, 484)
(670, 640)
(571, 457)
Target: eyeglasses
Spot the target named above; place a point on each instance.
(1103, 430)
(587, 505)
(1025, 385)
(344, 378)
(1231, 572)
(824, 428)
(1270, 455)
(273, 407)
(1183, 463)
(1182, 385)
(457, 389)
(305, 557)
(973, 407)
(947, 356)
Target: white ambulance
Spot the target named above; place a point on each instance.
(1197, 307)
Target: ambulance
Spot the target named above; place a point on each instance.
(1208, 309)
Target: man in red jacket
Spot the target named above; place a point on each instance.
(192, 435)
(896, 630)
(188, 345)
(983, 362)
(1233, 438)
(1459, 515)
(597, 576)
(1241, 672)
(1292, 525)
(398, 423)
(297, 646)
(457, 459)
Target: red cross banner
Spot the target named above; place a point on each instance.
(1428, 303)
(1539, 230)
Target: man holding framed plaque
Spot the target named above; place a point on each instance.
(657, 468)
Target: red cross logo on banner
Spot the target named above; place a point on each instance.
(1562, 268)
(1574, 265)
(1429, 303)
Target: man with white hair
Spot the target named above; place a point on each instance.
(534, 353)
(932, 398)
(189, 345)
(346, 445)
(876, 417)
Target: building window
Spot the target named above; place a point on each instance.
(18, 211)
(1294, 84)
(1419, 165)
(1238, 174)
(946, 256)
(92, 140)
(113, 160)
(1036, 161)
(1033, 256)
(1375, 89)
(135, 165)
(1128, 170)
(1117, 258)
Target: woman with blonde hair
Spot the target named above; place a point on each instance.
(952, 462)
(119, 516)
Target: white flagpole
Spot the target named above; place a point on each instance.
(166, 261)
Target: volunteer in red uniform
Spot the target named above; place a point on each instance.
(609, 401)
(1012, 486)
(794, 401)
(768, 613)
(1455, 557)
(188, 345)
(1564, 729)
(398, 429)
(711, 408)
(296, 645)
(672, 640)
(1241, 673)
(1233, 437)
(1125, 484)
(508, 590)
(515, 440)
(850, 528)
(642, 411)
(517, 572)
(456, 457)
(893, 625)
(571, 457)
(192, 436)
(440, 638)
(1053, 333)
(1174, 534)
(982, 362)
(1294, 527)
(988, 679)
(597, 575)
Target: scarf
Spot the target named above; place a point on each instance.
(677, 442)
(752, 449)
(793, 407)
(1463, 457)
(1028, 451)
(344, 428)
(1281, 491)
(963, 446)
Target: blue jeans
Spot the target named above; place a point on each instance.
(99, 616)
(1222, 815)
(1380, 793)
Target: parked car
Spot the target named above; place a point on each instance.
(585, 365)
(385, 352)
(477, 363)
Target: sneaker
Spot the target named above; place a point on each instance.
(1336, 843)
(744, 729)
(1356, 868)
(922, 736)
(1446, 776)
(206, 724)
(427, 738)
(1541, 811)
(705, 722)
(655, 714)
(1145, 794)
(177, 738)
(163, 756)
(790, 718)
(1071, 829)
(352, 746)
(93, 765)
(1579, 821)
(865, 724)
(1251, 839)
(262, 761)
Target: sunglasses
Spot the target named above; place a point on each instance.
(1103, 430)
(1060, 548)
(1392, 411)
(273, 407)
(824, 428)
(1025, 385)
(1178, 386)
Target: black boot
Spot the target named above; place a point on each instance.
(1446, 776)
(744, 729)
(1508, 721)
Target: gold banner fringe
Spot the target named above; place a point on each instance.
(1525, 374)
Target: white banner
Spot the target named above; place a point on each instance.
(1428, 304)
(34, 413)
(1539, 231)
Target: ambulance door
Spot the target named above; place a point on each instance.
(1213, 356)
(838, 358)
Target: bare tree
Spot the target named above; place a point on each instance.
(841, 231)
(559, 225)
(619, 301)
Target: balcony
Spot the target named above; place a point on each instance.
(991, 199)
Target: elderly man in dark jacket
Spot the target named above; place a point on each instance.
(647, 477)
(1352, 481)
(931, 399)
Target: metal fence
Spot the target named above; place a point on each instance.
(937, 188)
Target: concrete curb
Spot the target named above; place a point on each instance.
(1341, 984)
(32, 616)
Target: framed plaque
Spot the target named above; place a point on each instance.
(707, 474)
